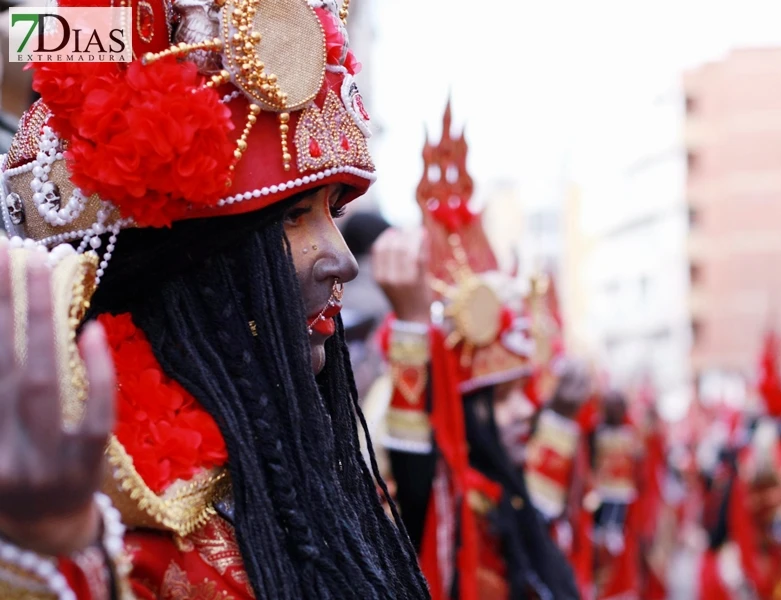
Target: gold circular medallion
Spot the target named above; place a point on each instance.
(274, 51)
(478, 318)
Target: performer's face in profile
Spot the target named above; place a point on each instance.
(513, 412)
(322, 260)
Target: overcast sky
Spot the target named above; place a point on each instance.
(540, 84)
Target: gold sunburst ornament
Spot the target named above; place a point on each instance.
(473, 305)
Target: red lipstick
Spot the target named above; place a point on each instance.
(324, 323)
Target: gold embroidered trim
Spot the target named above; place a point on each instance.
(183, 508)
(407, 349)
(177, 586)
(412, 393)
(409, 425)
(409, 355)
(17, 583)
(216, 545)
(83, 287)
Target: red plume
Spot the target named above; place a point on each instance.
(769, 380)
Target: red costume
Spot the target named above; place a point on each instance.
(168, 140)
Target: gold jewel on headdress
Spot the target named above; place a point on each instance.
(284, 118)
(256, 37)
(182, 48)
(344, 11)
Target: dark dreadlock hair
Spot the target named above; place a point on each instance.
(309, 522)
(535, 566)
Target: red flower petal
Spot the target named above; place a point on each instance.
(163, 428)
(154, 120)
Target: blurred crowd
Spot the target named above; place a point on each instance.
(518, 468)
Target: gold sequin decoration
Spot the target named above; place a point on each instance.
(26, 141)
(331, 128)
(258, 37)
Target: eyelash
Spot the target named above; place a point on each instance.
(295, 214)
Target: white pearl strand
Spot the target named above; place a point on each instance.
(294, 183)
(63, 249)
(44, 567)
(232, 96)
(112, 241)
(41, 167)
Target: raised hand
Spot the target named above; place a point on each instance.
(400, 268)
(48, 475)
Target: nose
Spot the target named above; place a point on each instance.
(335, 260)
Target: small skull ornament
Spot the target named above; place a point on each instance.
(13, 203)
(51, 194)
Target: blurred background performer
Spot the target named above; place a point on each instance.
(558, 470)
(459, 366)
(617, 450)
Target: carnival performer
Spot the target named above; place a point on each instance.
(617, 454)
(747, 563)
(459, 359)
(198, 186)
(558, 470)
(657, 498)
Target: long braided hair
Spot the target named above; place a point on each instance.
(309, 522)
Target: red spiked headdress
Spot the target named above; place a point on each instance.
(484, 315)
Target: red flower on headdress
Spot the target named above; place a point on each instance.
(162, 427)
(334, 43)
(150, 139)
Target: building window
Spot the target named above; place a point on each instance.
(695, 273)
(694, 217)
(692, 162)
(697, 331)
(691, 105)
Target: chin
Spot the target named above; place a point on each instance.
(318, 357)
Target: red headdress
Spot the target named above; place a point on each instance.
(484, 311)
(478, 339)
(255, 103)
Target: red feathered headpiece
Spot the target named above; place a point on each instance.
(171, 136)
